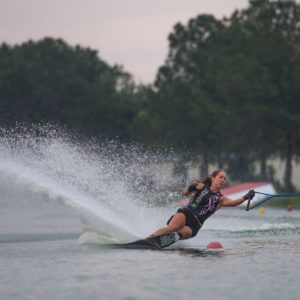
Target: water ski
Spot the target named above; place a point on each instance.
(153, 242)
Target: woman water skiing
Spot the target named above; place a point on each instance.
(206, 198)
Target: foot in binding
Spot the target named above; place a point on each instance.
(169, 239)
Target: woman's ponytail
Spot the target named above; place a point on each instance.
(207, 180)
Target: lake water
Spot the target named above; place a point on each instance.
(55, 197)
(43, 259)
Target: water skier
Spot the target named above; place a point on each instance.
(206, 198)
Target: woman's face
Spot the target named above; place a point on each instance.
(219, 180)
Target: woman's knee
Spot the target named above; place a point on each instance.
(186, 233)
(177, 222)
(174, 227)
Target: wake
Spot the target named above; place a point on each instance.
(104, 184)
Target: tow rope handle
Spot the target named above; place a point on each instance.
(268, 197)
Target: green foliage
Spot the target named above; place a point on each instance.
(50, 81)
(236, 83)
(228, 92)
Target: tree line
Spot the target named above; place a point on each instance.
(227, 93)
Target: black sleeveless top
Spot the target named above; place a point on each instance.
(204, 202)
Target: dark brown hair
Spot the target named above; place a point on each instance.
(207, 180)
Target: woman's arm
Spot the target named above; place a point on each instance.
(192, 188)
(230, 203)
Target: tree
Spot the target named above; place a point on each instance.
(191, 109)
(49, 80)
(273, 28)
(234, 81)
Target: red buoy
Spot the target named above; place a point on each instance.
(214, 245)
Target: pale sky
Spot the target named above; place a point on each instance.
(131, 33)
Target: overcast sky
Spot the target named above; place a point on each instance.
(131, 33)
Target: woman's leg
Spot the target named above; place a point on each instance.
(177, 224)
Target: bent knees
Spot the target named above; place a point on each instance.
(177, 222)
(186, 233)
(174, 227)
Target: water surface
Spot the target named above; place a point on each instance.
(60, 200)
